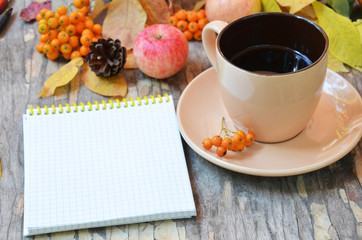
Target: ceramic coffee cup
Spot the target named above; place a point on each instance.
(271, 69)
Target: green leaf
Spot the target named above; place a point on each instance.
(270, 6)
(344, 39)
(340, 6)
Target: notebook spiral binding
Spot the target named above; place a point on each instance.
(97, 105)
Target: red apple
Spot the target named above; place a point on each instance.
(229, 10)
(160, 50)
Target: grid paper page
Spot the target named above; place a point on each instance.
(104, 167)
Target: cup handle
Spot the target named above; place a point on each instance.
(209, 39)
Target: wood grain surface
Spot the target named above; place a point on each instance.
(324, 204)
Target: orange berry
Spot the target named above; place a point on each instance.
(192, 16)
(39, 17)
(47, 48)
(74, 17)
(75, 54)
(43, 21)
(65, 48)
(53, 22)
(227, 142)
(250, 137)
(94, 39)
(86, 40)
(63, 20)
(81, 16)
(57, 16)
(49, 14)
(202, 22)
(241, 133)
(193, 27)
(78, 3)
(87, 32)
(62, 10)
(216, 141)
(63, 37)
(89, 24)
(74, 41)
(53, 55)
(173, 20)
(40, 47)
(221, 151)
(84, 10)
(198, 35)
(237, 138)
(86, 2)
(200, 14)
(182, 25)
(79, 27)
(188, 34)
(237, 147)
(202, 11)
(84, 50)
(55, 44)
(43, 38)
(66, 56)
(207, 143)
(43, 11)
(71, 29)
(181, 14)
(52, 34)
(97, 29)
(43, 28)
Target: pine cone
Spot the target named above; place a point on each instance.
(106, 57)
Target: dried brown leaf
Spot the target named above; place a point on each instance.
(157, 11)
(124, 20)
(113, 86)
(130, 61)
(98, 7)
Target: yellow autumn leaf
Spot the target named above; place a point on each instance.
(270, 6)
(335, 65)
(358, 25)
(112, 86)
(130, 61)
(344, 38)
(157, 11)
(295, 5)
(125, 19)
(61, 77)
(199, 5)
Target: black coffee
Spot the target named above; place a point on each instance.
(269, 59)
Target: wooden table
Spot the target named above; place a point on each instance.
(324, 204)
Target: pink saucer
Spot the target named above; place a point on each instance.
(333, 131)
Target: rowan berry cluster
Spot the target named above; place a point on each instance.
(190, 23)
(233, 140)
(68, 35)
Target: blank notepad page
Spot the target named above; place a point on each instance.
(101, 167)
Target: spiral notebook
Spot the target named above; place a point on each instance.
(103, 164)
